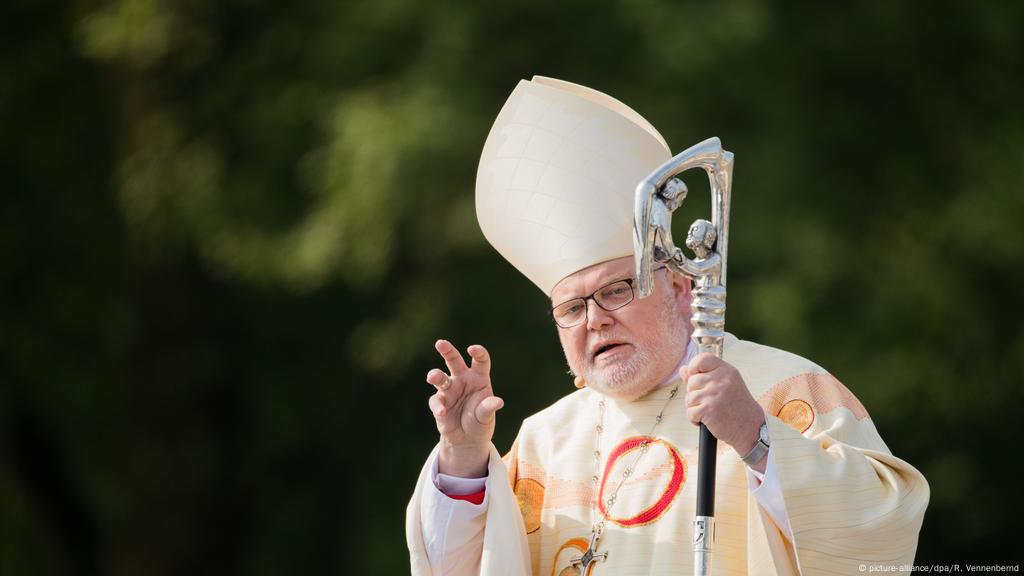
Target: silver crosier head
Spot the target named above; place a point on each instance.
(657, 197)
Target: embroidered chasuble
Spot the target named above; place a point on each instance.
(849, 500)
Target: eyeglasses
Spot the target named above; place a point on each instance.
(610, 297)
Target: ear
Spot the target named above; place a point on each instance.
(682, 291)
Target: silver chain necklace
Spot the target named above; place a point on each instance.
(581, 565)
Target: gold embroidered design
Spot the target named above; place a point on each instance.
(798, 414)
(821, 391)
(530, 495)
(579, 544)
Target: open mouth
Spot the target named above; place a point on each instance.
(608, 349)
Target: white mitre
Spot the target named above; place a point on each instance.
(554, 190)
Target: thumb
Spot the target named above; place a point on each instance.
(487, 407)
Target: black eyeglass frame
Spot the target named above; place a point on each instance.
(586, 308)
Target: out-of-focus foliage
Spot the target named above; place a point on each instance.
(232, 231)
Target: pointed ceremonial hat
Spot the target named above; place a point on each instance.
(555, 186)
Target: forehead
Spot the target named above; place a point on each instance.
(592, 278)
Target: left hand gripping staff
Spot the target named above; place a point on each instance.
(657, 196)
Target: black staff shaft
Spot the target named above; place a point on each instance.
(707, 454)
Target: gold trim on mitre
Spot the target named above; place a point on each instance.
(555, 186)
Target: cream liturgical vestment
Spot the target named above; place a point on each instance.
(850, 501)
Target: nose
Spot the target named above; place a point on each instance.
(597, 317)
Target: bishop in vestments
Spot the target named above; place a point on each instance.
(602, 481)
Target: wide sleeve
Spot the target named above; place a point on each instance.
(505, 551)
(851, 503)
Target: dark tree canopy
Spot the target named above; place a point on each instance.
(231, 232)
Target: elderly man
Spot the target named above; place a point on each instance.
(600, 482)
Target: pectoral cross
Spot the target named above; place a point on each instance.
(589, 556)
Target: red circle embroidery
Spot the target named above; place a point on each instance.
(662, 504)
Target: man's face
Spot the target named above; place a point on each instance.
(626, 352)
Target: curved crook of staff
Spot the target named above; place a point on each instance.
(657, 196)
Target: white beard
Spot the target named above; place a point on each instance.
(656, 352)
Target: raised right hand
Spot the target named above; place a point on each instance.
(463, 408)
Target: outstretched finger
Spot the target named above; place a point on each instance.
(438, 379)
(487, 407)
(481, 359)
(451, 356)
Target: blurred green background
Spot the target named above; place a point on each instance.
(231, 232)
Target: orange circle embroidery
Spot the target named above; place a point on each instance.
(664, 501)
(579, 544)
(530, 495)
(797, 414)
